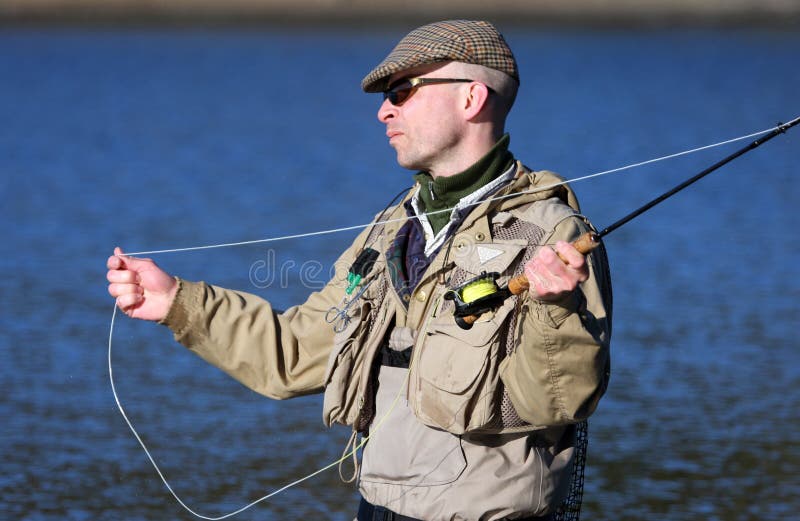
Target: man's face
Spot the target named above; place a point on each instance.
(425, 128)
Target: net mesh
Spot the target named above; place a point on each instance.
(570, 507)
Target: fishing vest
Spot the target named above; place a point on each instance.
(454, 377)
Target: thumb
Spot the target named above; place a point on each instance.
(130, 263)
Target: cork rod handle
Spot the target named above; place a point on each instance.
(584, 244)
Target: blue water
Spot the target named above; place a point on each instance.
(153, 139)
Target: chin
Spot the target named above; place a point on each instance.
(409, 163)
(404, 162)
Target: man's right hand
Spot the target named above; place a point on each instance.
(142, 289)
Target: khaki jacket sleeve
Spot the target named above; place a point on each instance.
(560, 366)
(279, 355)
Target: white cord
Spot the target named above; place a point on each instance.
(326, 232)
(498, 198)
(344, 457)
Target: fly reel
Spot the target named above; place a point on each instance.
(475, 297)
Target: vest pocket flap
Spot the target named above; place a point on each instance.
(482, 331)
(479, 335)
(453, 358)
(490, 257)
(453, 369)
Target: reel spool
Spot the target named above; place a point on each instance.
(475, 297)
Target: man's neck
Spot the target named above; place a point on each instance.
(469, 151)
(444, 192)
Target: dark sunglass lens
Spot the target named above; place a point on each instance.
(399, 94)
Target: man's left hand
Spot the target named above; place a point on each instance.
(551, 278)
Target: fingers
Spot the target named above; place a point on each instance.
(538, 285)
(116, 261)
(567, 262)
(554, 272)
(128, 296)
(123, 276)
(569, 255)
(128, 302)
(543, 280)
(142, 289)
(117, 289)
(120, 260)
(118, 275)
(124, 284)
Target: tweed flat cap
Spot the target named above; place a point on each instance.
(468, 41)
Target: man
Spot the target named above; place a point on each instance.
(463, 422)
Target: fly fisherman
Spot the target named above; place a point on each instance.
(490, 420)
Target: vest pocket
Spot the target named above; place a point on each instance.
(403, 451)
(457, 373)
(342, 375)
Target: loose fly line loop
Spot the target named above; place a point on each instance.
(471, 293)
(347, 455)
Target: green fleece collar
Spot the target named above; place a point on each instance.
(445, 192)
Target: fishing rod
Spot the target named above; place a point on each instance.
(487, 295)
(466, 312)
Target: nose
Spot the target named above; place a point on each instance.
(386, 111)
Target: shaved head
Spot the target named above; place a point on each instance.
(504, 86)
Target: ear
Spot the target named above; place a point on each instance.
(476, 99)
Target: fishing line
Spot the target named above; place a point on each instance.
(379, 422)
(488, 295)
(497, 198)
(478, 292)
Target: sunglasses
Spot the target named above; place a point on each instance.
(403, 90)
